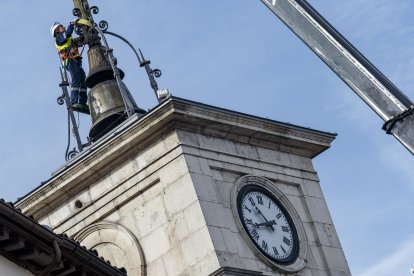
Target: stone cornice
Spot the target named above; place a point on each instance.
(137, 133)
(247, 128)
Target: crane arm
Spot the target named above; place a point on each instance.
(379, 93)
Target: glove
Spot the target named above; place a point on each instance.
(74, 21)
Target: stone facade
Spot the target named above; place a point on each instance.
(155, 195)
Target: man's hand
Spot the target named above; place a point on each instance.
(74, 21)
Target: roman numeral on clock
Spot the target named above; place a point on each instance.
(255, 235)
(275, 251)
(259, 200)
(245, 207)
(285, 228)
(278, 216)
(264, 246)
(284, 251)
(252, 201)
(286, 241)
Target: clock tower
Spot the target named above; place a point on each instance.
(192, 189)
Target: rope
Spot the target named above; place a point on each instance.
(83, 48)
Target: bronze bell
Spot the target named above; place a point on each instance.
(108, 108)
(99, 67)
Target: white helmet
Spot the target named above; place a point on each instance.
(54, 27)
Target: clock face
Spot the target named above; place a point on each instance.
(268, 224)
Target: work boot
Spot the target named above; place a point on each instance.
(83, 108)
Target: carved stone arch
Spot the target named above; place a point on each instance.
(116, 244)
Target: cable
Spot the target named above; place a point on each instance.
(67, 148)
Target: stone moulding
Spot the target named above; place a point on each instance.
(232, 271)
(175, 113)
(115, 234)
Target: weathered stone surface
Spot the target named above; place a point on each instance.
(232, 271)
(193, 163)
(205, 187)
(167, 182)
(156, 267)
(274, 157)
(179, 229)
(327, 235)
(179, 194)
(150, 216)
(335, 258)
(301, 162)
(316, 259)
(194, 218)
(289, 188)
(156, 244)
(172, 265)
(300, 207)
(247, 151)
(197, 246)
(312, 188)
(205, 266)
(318, 210)
(217, 238)
(232, 241)
(174, 170)
(223, 190)
(214, 214)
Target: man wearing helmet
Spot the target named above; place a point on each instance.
(68, 50)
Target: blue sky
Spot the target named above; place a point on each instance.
(236, 55)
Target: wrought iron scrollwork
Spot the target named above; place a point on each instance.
(71, 154)
(103, 25)
(61, 100)
(76, 12)
(156, 73)
(78, 30)
(94, 10)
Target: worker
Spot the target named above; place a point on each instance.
(68, 50)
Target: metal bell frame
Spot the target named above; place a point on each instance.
(64, 98)
(102, 28)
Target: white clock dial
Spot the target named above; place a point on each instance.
(268, 224)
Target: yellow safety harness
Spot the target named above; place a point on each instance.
(68, 50)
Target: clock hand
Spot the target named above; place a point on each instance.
(260, 212)
(255, 225)
(269, 223)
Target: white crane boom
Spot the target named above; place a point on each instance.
(379, 93)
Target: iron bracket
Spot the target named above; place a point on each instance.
(389, 125)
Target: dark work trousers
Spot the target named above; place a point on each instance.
(78, 86)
